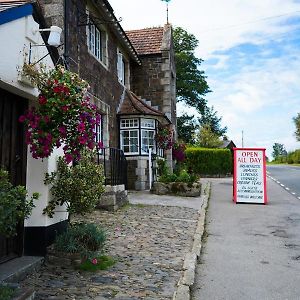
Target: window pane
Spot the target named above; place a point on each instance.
(148, 123)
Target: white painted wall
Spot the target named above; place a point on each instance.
(15, 38)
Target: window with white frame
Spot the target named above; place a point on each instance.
(122, 67)
(97, 41)
(99, 134)
(137, 135)
(130, 141)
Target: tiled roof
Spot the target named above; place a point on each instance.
(133, 105)
(6, 4)
(146, 41)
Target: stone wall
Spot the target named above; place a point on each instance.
(103, 79)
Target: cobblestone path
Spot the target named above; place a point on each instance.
(149, 244)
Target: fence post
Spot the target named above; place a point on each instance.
(150, 168)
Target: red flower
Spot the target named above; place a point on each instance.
(42, 99)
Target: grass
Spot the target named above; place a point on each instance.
(6, 292)
(103, 263)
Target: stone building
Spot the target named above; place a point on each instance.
(132, 85)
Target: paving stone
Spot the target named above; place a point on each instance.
(149, 244)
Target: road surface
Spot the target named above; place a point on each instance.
(252, 252)
(287, 176)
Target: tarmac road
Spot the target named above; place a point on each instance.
(287, 176)
(251, 251)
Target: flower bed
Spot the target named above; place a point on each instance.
(177, 188)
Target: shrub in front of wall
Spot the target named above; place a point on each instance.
(204, 161)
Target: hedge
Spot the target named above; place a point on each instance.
(204, 161)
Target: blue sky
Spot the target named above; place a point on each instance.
(251, 52)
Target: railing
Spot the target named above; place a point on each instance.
(115, 166)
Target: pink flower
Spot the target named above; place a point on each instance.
(65, 108)
(81, 127)
(94, 261)
(82, 140)
(91, 145)
(100, 145)
(22, 119)
(68, 158)
(42, 99)
(62, 130)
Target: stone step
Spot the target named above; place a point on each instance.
(16, 269)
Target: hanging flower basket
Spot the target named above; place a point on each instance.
(164, 137)
(64, 115)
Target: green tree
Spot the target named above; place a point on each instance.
(206, 138)
(186, 128)
(191, 83)
(278, 151)
(209, 117)
(297, 124)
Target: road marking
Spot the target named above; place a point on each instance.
(293, 193)
(278, 181)
(299, 198)
(287, 188)
(282, 184)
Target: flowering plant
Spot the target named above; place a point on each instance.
(64, 114)
(178, 151)
(164, 137)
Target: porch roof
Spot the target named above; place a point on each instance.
(133, 105)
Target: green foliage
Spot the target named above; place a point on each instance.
(182, 176)
(279, 153)
(86, 239)
(6, 292)
(191, 83)
(209, 118)
(186, 128)
(79, 187)
(162, 167)
(294, 157)
(206, 138)
(209, 161)
(297, 124)
(15, 206)
(103, 263)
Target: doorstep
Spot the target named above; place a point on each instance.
(17, 269)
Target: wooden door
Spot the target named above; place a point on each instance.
(13, 157)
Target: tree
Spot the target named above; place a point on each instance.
(206, 138)
(297, 124)
(278, 151)
(186, 128)
(209, 117)
(191, 83)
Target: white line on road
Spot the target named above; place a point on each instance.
(293, 193)
(278, 181)
(299, 198)
(281, 184)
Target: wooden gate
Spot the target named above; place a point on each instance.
(13, 156)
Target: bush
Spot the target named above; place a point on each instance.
(79, 187)
(15, 206)
(6, 292)
(204, 161)
(86, 239)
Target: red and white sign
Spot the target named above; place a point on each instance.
(249, 175)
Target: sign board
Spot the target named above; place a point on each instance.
(249, 175)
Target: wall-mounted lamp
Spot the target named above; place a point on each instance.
(53, 40)
(54, 36)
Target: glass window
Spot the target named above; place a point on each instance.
(129, 123)
(130, 141)
(148, 141)
(96, 41)
(148, 123)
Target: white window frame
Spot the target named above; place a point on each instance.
(99, 134)
(96, 41)
(147, 146)
(129, 123)
(129, 139)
